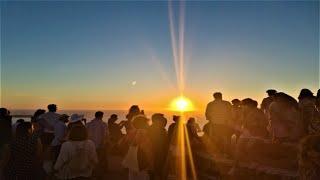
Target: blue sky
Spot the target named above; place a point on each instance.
(86, 54)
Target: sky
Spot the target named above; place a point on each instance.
(109, 55)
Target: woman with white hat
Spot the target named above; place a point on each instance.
(75, 119)
(78, 156)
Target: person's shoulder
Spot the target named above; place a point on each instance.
(90, 123)
(226, 102)
(211, 102)
(104, 123)
(66, 144)
(171, 125)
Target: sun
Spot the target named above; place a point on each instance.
(181, 104)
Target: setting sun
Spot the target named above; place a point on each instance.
(181, 104)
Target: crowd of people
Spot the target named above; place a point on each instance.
(59, 146)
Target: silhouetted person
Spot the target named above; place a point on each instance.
(172, 130)
(285, 122)
(219, 113)
(77, 157)
(254, 121)
(268, 100)
(192, 131)
(115, 128)
(14, 126)
(309, 158)
(318, 100)
(37, 114)
(236, 115)
(140, 149)
(308, 110)
(5, 137)
(133, 112)
(5, 126)
(47, 122)
(160, 144)
(98, 130)
(60, 134)
(193, 125)
(99, 134)
(24, 157)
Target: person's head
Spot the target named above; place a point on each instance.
(217, 96)
(78, 133)
(254, 104)
(176, 118)
(133, 111)
(113, 118)
(159, 120)
(5, 116)
(236, 102)
(246, 104)
(191, 120)
(52, 108)
(64, 118)
(287, 100)
(76, 118)
(20, 120)
(98, 115)
(305, 93)
(271, 92)
(37, 114)
(4, 112)
(24, 129)
(140, 122)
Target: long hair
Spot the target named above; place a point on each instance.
(37, 114)
(78, 133)
(289, 101)
(22, 130)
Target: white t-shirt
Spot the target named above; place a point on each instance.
(60, 130)
(51, 119)
(76, 159)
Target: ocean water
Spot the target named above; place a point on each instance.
(89, 115)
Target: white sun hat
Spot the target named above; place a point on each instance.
(75, 118)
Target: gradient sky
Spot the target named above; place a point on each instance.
(85, 55)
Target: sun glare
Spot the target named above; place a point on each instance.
(181, 104)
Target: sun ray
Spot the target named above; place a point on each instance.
(181, 46)
(181, 103)
(173, 42)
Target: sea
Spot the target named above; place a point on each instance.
(89, 115)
